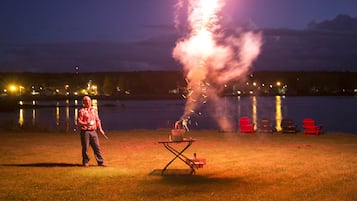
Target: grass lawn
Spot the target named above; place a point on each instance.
(47, 166)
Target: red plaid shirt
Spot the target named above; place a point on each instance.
(89, 115)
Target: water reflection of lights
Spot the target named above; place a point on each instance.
(57, 115)
(95, 103)
(33, 117)
(254, 111)
(75, 118)
(67, 118)
(238, 105)
(64, 113)
(21, 117)
(24, 113)
(278, 113)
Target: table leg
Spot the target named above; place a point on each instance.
(178, 155)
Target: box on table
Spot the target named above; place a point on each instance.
(177, 134)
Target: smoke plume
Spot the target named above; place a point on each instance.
(211, 56)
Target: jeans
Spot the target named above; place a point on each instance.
(90, 138)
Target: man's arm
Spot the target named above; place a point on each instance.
(99, 125)
(80, 120)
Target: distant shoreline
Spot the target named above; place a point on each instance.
(8, 103)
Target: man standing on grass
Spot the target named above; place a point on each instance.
(89, 122)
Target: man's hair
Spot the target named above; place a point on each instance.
(86, 97)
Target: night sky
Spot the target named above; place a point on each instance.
(25, 22)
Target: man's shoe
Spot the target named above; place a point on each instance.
(102, 165)
(86, 165)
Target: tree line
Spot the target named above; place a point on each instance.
(158, 83)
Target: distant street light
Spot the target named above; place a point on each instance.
(12, 88)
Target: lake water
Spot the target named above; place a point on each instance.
(336, 114)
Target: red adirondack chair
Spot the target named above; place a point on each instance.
(310, 127)
(245, 125)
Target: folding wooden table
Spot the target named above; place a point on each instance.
(170, 145)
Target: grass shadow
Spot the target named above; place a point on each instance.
(171, 172)
(183, 177)
(43, 165)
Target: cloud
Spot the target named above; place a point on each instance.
(98, 56)
(282, 50)
(160, 27)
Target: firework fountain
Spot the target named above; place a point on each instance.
(211, 57)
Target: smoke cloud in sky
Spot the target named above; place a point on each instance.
(211, 56)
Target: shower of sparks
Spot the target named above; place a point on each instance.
(210, 56)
